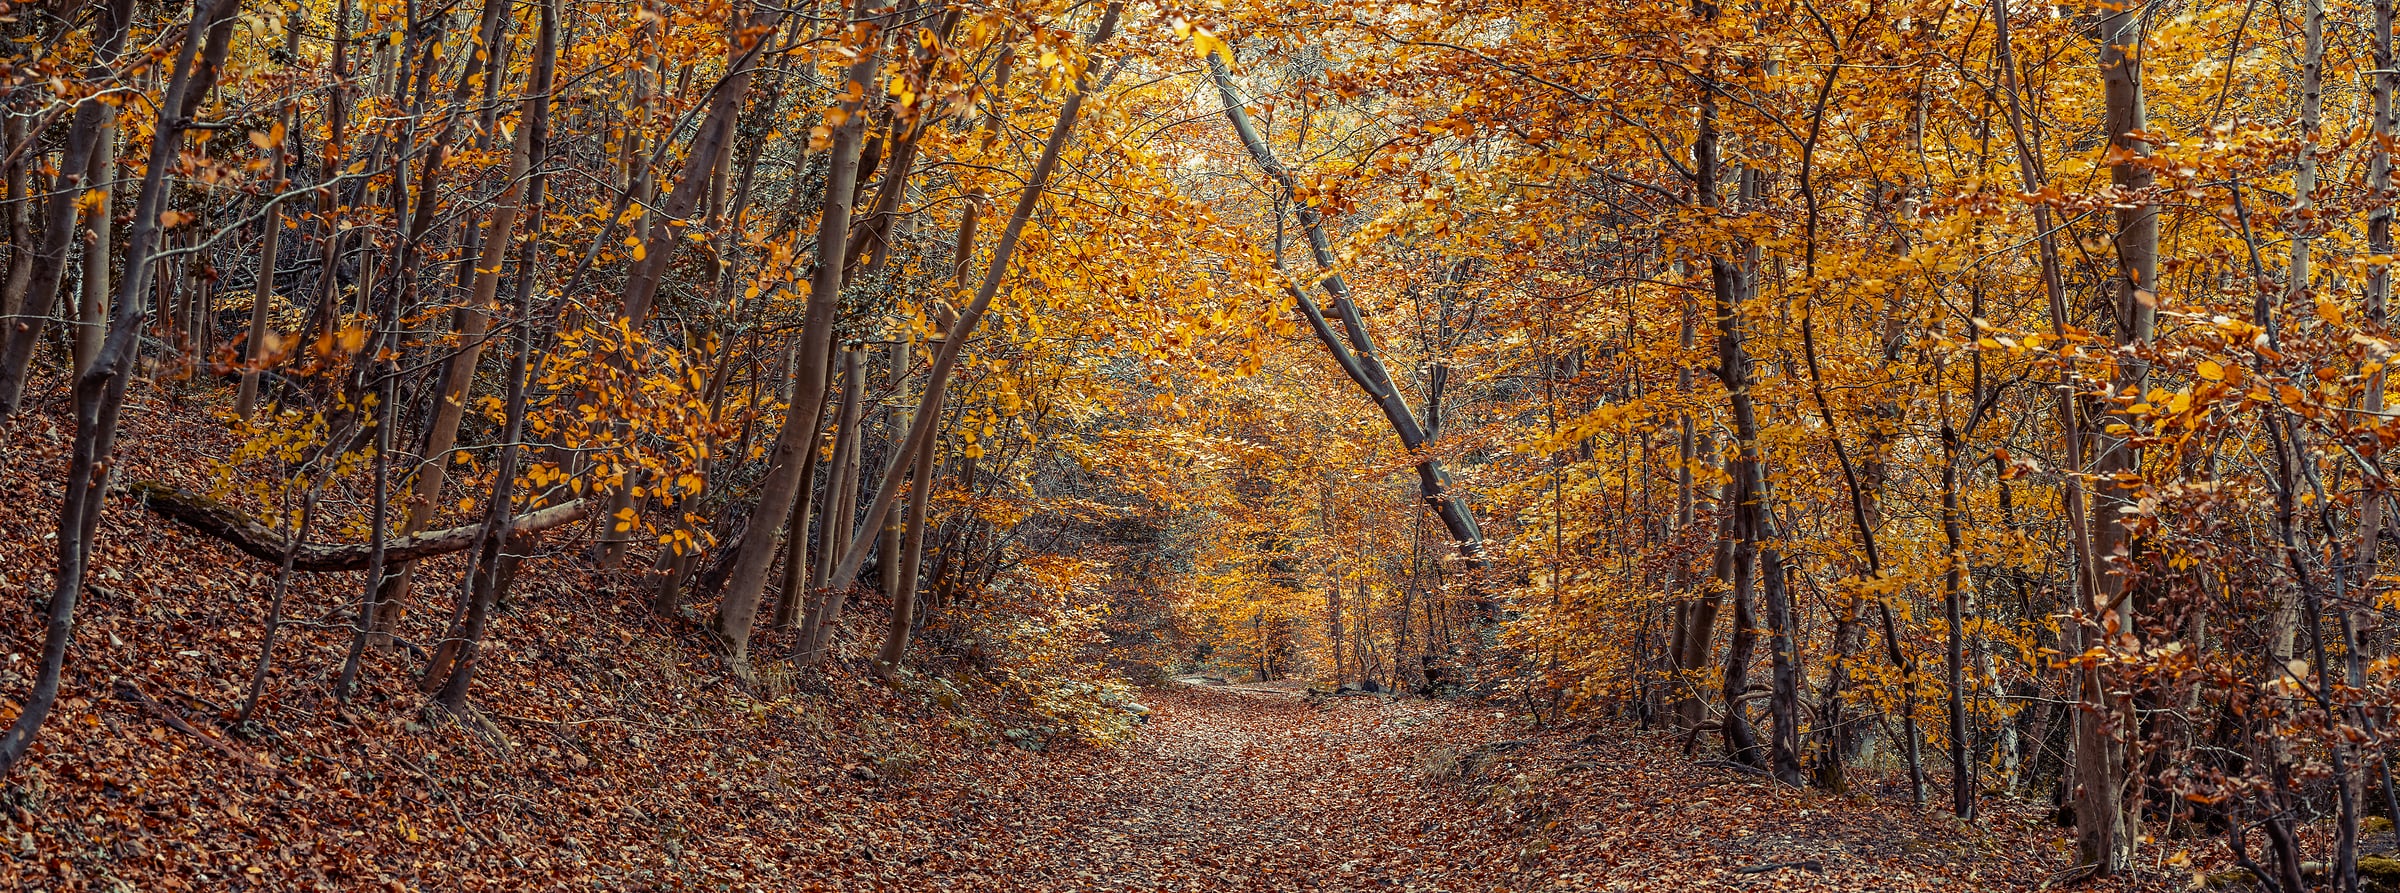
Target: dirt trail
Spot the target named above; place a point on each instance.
(1232, 789)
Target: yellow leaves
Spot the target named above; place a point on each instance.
(268, 140)
(347, 340)
(2330, 311)
(680, 540)
(2208, 370)
(635, 248)
(1205, 43)
(173, 219)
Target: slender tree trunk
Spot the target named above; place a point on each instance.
(912, 553)
(2107, 818)
(1689, 706)
(895, 426)
(100, 393)
(458, 378)
(798, 563)
(1359, 359)
(1954, 589)
(21, 245)
(91, 310)
(841, 508)
(489, 571)
(21, 325)
(710, 144)
(739, 610)
(263, 296)
(920, 485)
(954, 341)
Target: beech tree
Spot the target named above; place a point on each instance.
(1985, 399)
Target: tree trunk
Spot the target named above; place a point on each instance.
(91, 310)
(21, 325)
(2107, 821)
(263, 296)
(1954, 591)
(955, 339)
(841, 510)
(1359, 359)
(912, 552)
(739, 610)
(100, 393)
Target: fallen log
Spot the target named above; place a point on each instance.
(264, 543)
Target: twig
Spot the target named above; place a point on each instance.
(129, 692)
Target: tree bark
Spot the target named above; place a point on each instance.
(100, 392)
(91, 310)
(1359, 359)
(2107, 821)
(22, 325)
(955, 339)
(841, 509)
(262, 542)
(739, 610)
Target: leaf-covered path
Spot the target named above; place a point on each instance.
(1246, 790)
(1228, 790)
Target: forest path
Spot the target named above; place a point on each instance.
(1230, 790)
(1248, 788)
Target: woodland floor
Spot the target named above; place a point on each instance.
(1250, 789)
(608, 751)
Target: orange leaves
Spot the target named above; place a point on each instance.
(268, 140)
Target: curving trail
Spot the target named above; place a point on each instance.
(1234, 790)
(1244, 788)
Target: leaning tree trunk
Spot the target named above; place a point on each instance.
(21, 326)
(905, 605)
(1359, 358)
(738, 612)
(954, 341)
(100, 392)
(488, 571)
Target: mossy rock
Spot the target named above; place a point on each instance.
(2237, 880)
(2379, 874)
(2376, 874)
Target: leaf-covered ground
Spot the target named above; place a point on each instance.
(609, 751)
(1245, 790)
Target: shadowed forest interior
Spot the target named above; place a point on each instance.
(1089, 444)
